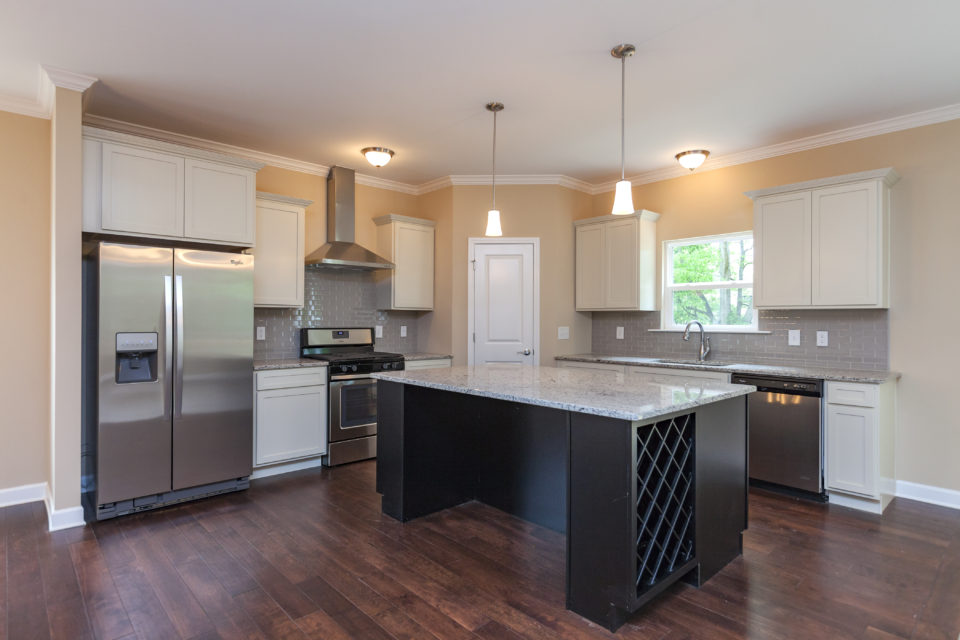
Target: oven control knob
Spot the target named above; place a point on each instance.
(354, 367)
(387, 365)
(344, 368)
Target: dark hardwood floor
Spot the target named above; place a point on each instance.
(310, 555)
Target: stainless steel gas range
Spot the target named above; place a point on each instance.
(352, 394)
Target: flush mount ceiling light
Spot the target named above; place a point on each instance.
(692, 159)
(493, 216)
(377, 156)
(623, 199)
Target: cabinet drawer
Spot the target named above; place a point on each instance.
(287, 378)
(852, 394)
(668, 374)
(437, 363)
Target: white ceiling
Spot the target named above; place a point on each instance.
(318, 80)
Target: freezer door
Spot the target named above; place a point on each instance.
(133, 429)
(213, 367)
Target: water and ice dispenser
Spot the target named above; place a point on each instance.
(136, 357)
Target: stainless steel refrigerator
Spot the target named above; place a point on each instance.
(174, 375)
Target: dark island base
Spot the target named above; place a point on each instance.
(643, 504)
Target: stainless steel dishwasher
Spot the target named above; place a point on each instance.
(786, 433)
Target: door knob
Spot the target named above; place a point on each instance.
(525, 352)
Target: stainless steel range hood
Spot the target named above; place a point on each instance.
(341, 250)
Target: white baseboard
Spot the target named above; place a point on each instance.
(285, 467)
(23, 493)
(58, 519)
(928, 493)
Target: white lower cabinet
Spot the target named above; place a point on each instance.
(599, 366)
(858, 452)
(290, 411)
(668, 375)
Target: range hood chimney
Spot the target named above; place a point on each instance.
(341, 250)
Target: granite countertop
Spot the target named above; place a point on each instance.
(286, 363)
(426, 356)
(826, 373)
(602, 393)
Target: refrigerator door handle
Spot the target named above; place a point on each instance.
(167, 341)
(178, 375)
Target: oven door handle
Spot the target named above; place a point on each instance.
(358, 376)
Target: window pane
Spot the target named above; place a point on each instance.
(714, 306)
(716, 261)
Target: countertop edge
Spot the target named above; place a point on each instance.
(839, 375)
(426, 356)
(268, 364)
(565, 406)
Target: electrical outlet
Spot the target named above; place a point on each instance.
(793, 337)
(378, 331)
(619, 333)
(261, 333)
(403, 331)
(822, 339)
(563, 333)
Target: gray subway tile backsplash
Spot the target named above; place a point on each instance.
(858, 338)
(333, 298)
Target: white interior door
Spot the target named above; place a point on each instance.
(505, 302)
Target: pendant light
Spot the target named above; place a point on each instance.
(623, 198)
(493, 216)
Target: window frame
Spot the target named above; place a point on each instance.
(667, 288)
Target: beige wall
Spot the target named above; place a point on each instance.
(546, 212)
(435, 328)
(25, 291)
(926, 226)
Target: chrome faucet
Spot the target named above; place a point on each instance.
(704, 340)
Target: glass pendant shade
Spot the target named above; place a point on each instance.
(493, 224)
(623, 200)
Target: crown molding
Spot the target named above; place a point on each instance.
(435, 185)
(68, 79)
(276, 197)
(383, 183)
(23, 106)
(518, 179)
(868, 130)
(109, 135)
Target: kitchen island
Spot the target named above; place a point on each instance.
(648, 480)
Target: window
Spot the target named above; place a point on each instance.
(709, 279)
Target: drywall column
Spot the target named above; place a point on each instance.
(63, 497)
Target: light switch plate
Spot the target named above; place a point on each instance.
(619, 333)
(563, 333)
(822, 340)
(378, 331)
(403, 331)
(793, 337)
(261, 333)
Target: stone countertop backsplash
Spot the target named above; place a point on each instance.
(826, 373)
(602, 393)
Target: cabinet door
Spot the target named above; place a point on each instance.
(290, 424)
(413, 273)
(781, 226)
(278, 256)
(219, 203)
(621, 264)
(141, 191)
(846, 243)
(589, 267)
(851, 449)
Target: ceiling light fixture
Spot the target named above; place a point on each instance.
(692, 159)
(493, 216)
(623, 199)
(377, 156)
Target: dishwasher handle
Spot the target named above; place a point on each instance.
(791, 386)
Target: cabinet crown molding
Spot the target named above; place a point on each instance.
(105, 135)
(642, 214)
(394, 217)
(888, 175)
(276, 197)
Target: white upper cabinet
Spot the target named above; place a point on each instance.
(278, 256)
(142, 191)
(824, 243)
(139, 187)
(409, 244)
(616, 262)
(219, 202)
